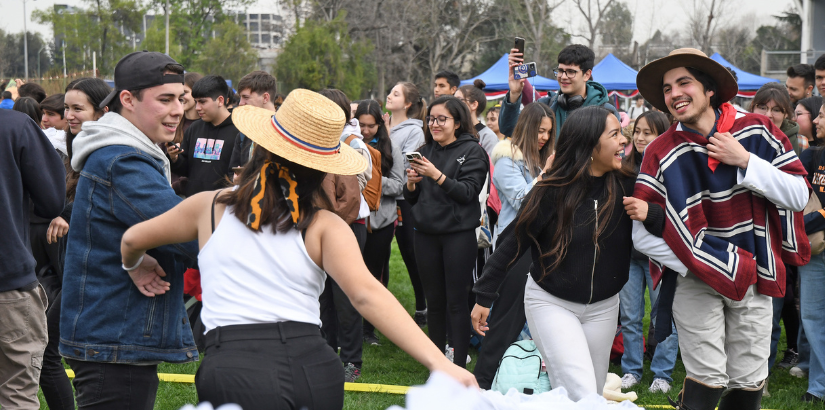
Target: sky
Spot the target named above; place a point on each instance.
(650, 14)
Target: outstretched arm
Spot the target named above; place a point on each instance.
(331, 242)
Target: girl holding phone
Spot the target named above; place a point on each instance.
(443, 188)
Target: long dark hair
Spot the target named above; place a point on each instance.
(275, 211)
(776, 93)
(812, 105)
(568, 182)
(526, 132)
(384, 145)
(475, 94)
(657, 122)
(30, 107)
(460, 113)
(96, 91)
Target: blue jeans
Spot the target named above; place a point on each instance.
(632, 308)
(812, 305)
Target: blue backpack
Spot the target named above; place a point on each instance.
(521, 368)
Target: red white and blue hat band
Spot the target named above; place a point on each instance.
(303, 144)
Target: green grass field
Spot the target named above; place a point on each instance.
(386, 364)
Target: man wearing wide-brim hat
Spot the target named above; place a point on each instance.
(732, 189)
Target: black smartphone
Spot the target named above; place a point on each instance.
(520, 46)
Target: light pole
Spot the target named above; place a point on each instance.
(25, 42)
(167, 27)
(38, 61)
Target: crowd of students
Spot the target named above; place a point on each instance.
(256, 229)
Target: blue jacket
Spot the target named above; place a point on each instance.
(512, 181)
(508, 117)
(104, 317)
(7, 104)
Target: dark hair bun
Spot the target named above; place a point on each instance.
(479, 83)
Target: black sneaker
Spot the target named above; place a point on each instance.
(372, 339)
(810, 398)
(790, 360)
(420, 318)
(351, 373)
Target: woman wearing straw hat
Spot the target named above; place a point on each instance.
(263, 269)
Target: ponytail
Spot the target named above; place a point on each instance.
(418, 106)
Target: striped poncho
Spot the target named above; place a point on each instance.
(727, 235)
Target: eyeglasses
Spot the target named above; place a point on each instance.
(763, 109)
(559, 73)
(439, 120)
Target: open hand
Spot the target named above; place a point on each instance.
(635, 208)
(479, 319)
(727, 150)
(58, 228)
(147, 277)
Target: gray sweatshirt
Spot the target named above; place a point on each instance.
(392, 185)
(408, 137)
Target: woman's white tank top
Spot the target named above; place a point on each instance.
(257, 277)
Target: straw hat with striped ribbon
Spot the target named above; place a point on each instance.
(306, 130)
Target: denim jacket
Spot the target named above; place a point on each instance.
(104, 317)
(512, 181)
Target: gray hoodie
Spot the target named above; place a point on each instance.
(408, 137)
(392, 185)
(113, 129)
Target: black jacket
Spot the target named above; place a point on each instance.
(207, 151)
(454, 205)
(584, 275)
(241, 151)
(32, 175)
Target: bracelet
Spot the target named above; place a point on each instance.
(136, 264)
(439, 177)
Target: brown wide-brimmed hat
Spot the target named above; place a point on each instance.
(649, 79)
(306, 130)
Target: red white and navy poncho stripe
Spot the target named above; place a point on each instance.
(727, 235)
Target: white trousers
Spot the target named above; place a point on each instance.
(574, 338)
(724, 342)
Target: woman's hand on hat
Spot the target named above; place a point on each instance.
(724, 148)
(147, 277)
(425, 168)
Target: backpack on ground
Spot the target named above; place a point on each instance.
(372, 192)
(522, 368)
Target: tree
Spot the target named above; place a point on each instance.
(228, 54)
(593, 15)
(99, 28)
(194, 22)
(705, 19)
(155, 40)
(11, 55)
(533, 18)
(322, 55)
(617, 28)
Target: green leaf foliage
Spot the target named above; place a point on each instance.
(322, 55)
(228, 54)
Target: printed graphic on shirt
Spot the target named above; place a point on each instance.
(819, 179)
(209, 149)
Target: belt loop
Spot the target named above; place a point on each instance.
(281, 331)
(218, 336)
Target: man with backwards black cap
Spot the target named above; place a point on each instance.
(112, 335)
(731, 188)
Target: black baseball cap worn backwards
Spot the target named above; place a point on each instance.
(140, 70)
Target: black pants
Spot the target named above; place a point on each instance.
(57, 389)
(377, 258)
(404, 235)
(446, 265)
(789, 313)
(340, 322)
(104, 386)
(285, 365)
(506, 321)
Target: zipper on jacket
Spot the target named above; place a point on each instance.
(595, 250)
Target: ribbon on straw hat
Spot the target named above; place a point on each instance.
(306, 130)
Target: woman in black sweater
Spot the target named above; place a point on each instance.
(443, 188)
(574, 223)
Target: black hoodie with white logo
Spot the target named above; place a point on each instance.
(452, 206)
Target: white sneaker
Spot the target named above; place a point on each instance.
(659, 386)
(450, 353)
(629, 380)
(797, 372)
